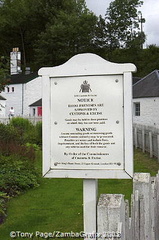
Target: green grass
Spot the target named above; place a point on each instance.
(143, 163)
(57, 204)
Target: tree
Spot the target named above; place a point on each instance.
(149, 60)
(100, 43)
(18, 27)
(4, 72)
(71, 32)
(48, 30)
(122, 24)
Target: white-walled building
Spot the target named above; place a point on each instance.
(146, 100)
(23, 89)
(32, 93)
(24, 94)
(36, 108)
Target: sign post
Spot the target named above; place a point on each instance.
(90, 192)
(87, 124)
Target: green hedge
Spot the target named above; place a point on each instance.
(3, 200)
(27, 131)
(17, 174)
(19, 142)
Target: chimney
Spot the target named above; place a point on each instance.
(15, 61)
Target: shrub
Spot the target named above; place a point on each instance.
(17, 174)
(3, 199)
(8, 133)
(32, 146)
(14, 148)
(18, 147)
(21, 124)
(24, 127)
(27, 131)
(38, 127)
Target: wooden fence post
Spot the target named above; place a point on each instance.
(158, 147)
(127, 221)
(157, 206)
(90, 189)
(136, 215)
(142, 218)
(150, 144)
(132, 231)
(141, 182)
(135, 137)
(111, 214)
(153, 208)
(143, 140)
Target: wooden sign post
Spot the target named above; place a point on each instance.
(87, 124)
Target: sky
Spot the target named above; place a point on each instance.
(149, 9)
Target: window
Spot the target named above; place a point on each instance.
(10, 89)
(137, 109)
(34, 111)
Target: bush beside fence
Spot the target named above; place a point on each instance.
(33, 120)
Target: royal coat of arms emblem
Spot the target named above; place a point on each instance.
(85, 87)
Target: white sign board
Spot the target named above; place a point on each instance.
(87, 119)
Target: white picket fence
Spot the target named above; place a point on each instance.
(113, 219)
(34, 120)
(147, 139)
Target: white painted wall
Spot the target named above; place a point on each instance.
(32, 93)
(149, 111)
(32, 109)
(13, 99)
(22, 96)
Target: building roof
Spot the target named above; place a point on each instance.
(147, 86)
(22, 78)
(2, 98)
(135, 79)
(37, 103)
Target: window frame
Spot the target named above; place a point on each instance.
(137, 109)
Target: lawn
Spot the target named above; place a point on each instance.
(57, 204)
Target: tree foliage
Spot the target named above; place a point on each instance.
(20, 23)
(149, 60)
(71, 32)
(4, 72)
(122, 23)
(49, 32)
